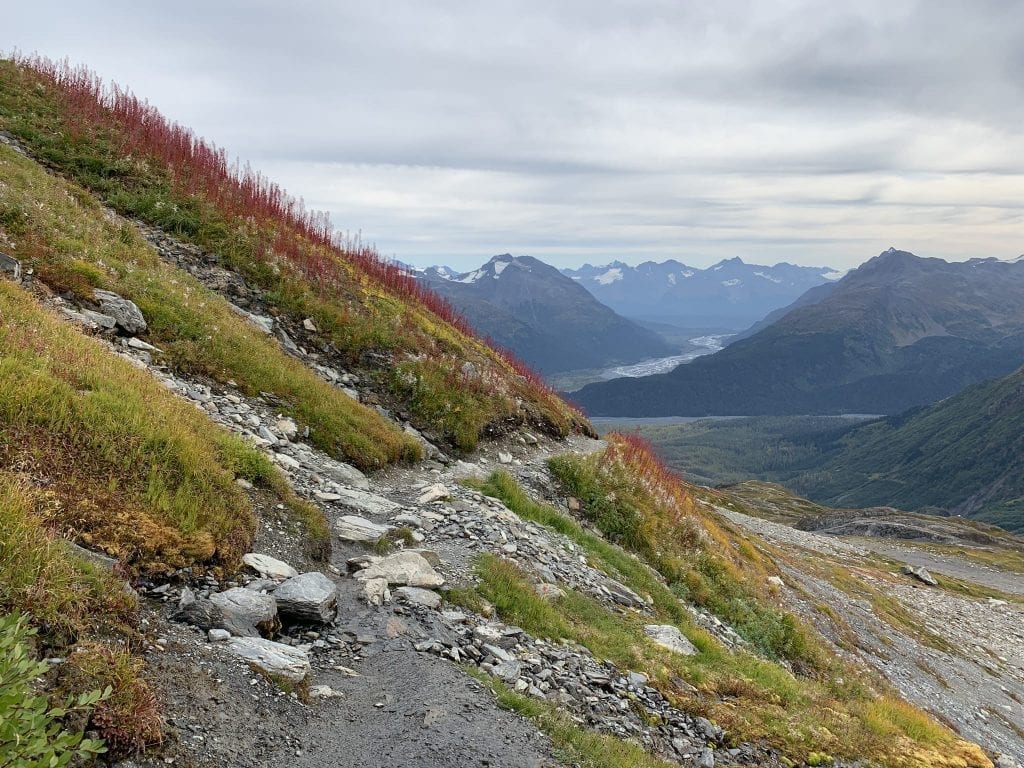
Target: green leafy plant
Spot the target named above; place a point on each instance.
(31, 729)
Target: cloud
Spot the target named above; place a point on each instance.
(446, 132)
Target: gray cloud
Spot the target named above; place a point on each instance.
(580, 131)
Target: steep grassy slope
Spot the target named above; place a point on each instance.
(94, 450)
(824, 705)
(964, 455)
(898, 332)
(370, 315)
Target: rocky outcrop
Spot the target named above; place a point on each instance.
(126, 314)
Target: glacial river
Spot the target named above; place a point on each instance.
(705, 345)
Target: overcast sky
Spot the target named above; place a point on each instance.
(594, 130)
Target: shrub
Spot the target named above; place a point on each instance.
(31, 733)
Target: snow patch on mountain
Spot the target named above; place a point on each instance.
(731, 283)
(768, 277)
(609, 277)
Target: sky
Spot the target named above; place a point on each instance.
(818, 133)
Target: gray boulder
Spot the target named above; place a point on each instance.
(418, 596)
(246, 613)
(405, 569)
(274, 659)
(11, 266)
(344, 474)
(670, 637)
(354, 528)
(310, 597)
(368, 503)
(127, 315)
(920, 574)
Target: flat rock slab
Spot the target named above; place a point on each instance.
(404, 569)
(920, 574)
(269, 567)
(432, 493)
(418, 596)
(355, 528)
(273, 658)
(369, 503)
(344, 474)
(308, 597)
(670, 637)
(245, 612)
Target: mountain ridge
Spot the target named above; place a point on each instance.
(543, 317)
(897, 332)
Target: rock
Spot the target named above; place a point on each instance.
(308, 597)
(637, 679)
(529, 439)
(274, 659)
(548, 591)
(434, 492)
(141, 345)
(429, 555)
(412, 521)
(775, 581)
(670, 637)
(706, 759)
(98, 319)
(623, 595)
(199, 613)
(286, 427)
(286, 461)
(573, 504)
(504, 458)
(309, 325)
(370, 503)
(218, 635)
(262, 322)
(246, 613)
(354, 528)
(344, 474)
(920, 574)
(10, 266)
(406, 568)
(418, 596)
(1005, 761)
(324, 692)
(376, 592)
(128, 316)
(269, 567)
(508, 671)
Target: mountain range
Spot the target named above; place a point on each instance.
(730, 295)
(899, 331)
(545, 318)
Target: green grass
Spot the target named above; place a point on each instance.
(63, 234)
(573, 744)
(753, 698)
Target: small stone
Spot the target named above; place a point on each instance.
(504, 458)
(324, 692)
(309, 325)
(508, 671)
(376, 592)
(269, 567)
(432, 493)
(218, 635)
(286, 461)
(355, 528)
(529, 439)
(287, 427)
(775, 581)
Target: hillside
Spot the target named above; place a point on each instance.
(543, 317)
(251, 473)
(964, 456)
(898, 332)
(730, 295)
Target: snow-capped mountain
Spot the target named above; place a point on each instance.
(545, 318)
(728, 295)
